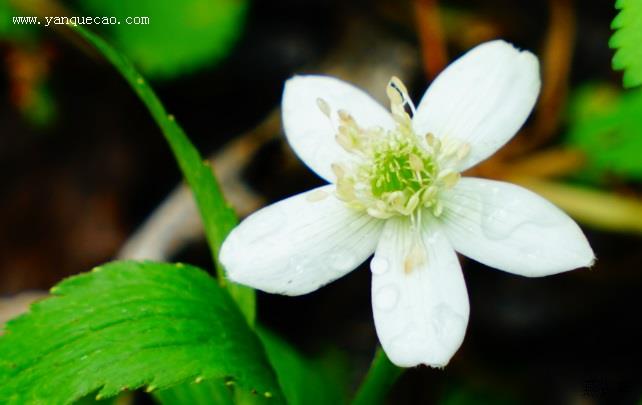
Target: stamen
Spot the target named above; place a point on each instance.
(449, 177)
(396, 84)
(415, 258)
(317, 195)
(394, 172)
(338, 170)
(463, 151)
(324, 107)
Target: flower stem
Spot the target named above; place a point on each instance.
(380, 378)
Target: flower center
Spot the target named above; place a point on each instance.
(393, 172)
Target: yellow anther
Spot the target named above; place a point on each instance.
(416, 163)
(324, 107)
(449, 177)
(316, 195)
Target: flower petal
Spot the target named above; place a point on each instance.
(299, 244)
(419, 297)
(311, 133)
(512, 229)
(482, 98)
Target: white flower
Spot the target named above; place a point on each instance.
(396, 191)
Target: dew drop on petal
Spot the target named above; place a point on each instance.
(342, 260)
(386, 297)
(448, 325)
(497, 223)
(379, 265)
(297, 265)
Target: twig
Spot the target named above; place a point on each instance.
(431, 37)
(175, 222)
(557, 57)
(592, 207)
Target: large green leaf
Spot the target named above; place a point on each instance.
(627, 39)
(218, 217)
(307, 381)
(205, 393)
(606, 124)
(181, 36)
(126, 325)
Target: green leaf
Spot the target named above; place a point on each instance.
(206, 393)
(210, 392)
(182, 35)
(305, 381)
(91, 400)
(627, 39)
(606, 124)
(217, 216)
(126, 325)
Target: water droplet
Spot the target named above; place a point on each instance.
(499, 217)
(386, 297)
(379, 265)
(448, 325)
(343, 260)
(497, 223)
(317, 195)
(297, 265)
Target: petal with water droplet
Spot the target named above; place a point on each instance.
(482, 98)
(311, 133)
(299, 244)
(420, 302)
(512, 229)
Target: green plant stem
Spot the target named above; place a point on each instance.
(380, 378)
(217, 216)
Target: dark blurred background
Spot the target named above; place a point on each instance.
(83, 165)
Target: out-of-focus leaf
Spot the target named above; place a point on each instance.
(217, 216)
(627, 40)
(606, 124)
(181, 36)
(466, 395)
(40, 107)
(306, 381)
(9, 30)
(593, 207)
(126, 325)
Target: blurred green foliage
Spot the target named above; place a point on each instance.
(606, 124)
(9, 30)
(307, 381)
(627, 39)
(465, 394)
(182, 35)
(42, 109)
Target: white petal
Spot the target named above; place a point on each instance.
(419, 297)
(512, 229)
(482, 98)
(311, 133)
(299, 244)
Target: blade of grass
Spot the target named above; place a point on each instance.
(217, 216)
